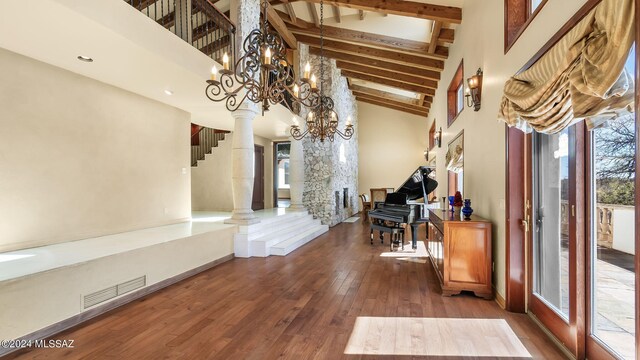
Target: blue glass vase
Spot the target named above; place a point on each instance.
(451, 198)
(467, 210)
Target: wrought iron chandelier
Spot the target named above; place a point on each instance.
(262, 75)
(322, 120)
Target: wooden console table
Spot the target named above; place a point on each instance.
(460, 252)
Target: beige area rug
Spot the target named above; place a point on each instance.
(434, 337)
(352, 219)
(408, 252)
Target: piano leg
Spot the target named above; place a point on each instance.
(414, 236)
(381, 237)
(371, 236)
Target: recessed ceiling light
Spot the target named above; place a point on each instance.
(168, 92)
(85, 58)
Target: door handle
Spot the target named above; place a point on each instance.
(525, 224)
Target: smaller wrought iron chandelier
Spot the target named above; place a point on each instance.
(264, 74)
(322, 123)
(322, 120)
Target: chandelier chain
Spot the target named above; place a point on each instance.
(321, 47)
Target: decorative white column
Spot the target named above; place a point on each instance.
(296, 174)
(242, 157)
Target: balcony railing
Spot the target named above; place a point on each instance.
(614, 224)
(197, 22)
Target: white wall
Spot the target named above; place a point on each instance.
(391, 145)
(479, 40)
(80, 158)
(211, 179)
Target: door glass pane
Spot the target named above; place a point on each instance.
(551, 220)
(613, 249)
(535, 4)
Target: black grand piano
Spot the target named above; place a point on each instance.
(401, 208)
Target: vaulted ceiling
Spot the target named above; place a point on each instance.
(391, 51)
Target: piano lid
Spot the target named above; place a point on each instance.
(419, 184)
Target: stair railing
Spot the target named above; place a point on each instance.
(202, 24)
(207, 139)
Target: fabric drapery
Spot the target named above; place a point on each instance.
(582, 77)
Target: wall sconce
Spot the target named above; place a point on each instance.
(474, 91)
(437, 138)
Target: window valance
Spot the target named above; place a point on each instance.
(580, 77)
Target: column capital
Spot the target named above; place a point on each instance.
(247, 109)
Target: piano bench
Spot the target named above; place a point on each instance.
(396, 234)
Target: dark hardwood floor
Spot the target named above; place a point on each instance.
(301, 306)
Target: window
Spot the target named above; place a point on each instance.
(282, 158)
(518, 15)
(460, 99)
(455, 95)
(534, 6)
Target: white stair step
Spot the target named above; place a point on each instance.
(261, 229)
(260, 247)
(286, 232)
(285, 247)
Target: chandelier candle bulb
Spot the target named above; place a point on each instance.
(296, 90)
(307, 70)
(213, 73)
(225, 61)
(349, 121)
(313, 81)
(267, 56)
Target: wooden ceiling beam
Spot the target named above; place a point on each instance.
(291, 12)
(446, 36)
(435, 33)
(405, 78)
(393, 107)
(388, 82)
(391, 102)
(281, 27)
(370, 52)
(314, 14)
(447, 14)
(387, 95)
(336, 14)
(378, 40)
(380, 64)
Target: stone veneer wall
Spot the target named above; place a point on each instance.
(331, 167)
(248, 12)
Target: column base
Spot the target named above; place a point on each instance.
(242, 221)
(242, 217)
